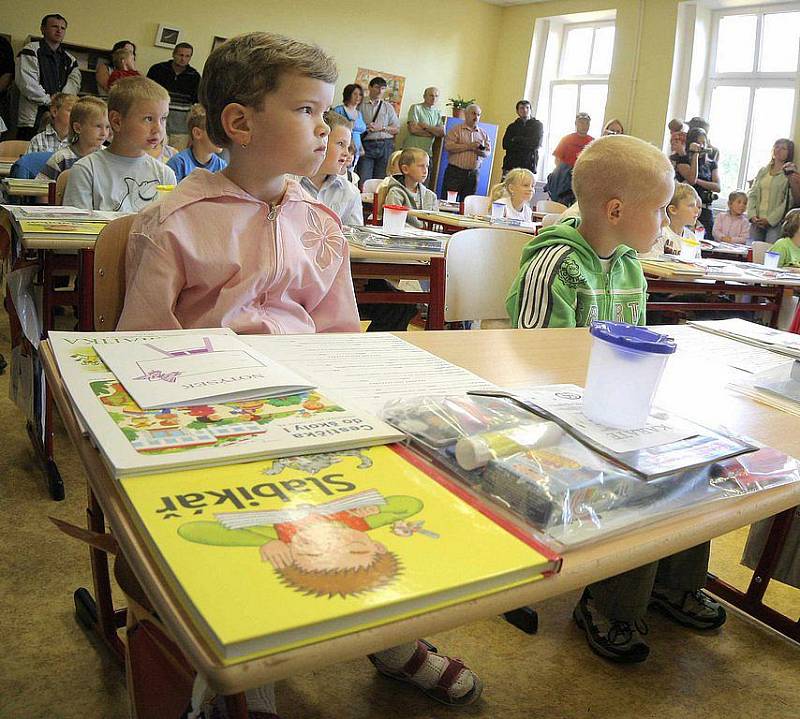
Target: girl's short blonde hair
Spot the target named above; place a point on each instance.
(247, 67)
(86, 109)
(513, 177)
(791, 223)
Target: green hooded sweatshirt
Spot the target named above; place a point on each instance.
(561, 282)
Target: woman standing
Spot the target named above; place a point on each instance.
(696, 169)
(351, 99)
(769, 198)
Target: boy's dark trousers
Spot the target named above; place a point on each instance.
(465, 182)
(625, 597)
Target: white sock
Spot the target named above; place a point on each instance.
(429, 673)
(261, 699)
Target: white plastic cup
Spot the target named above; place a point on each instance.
(498, 210)
(625, 368)
(771, 260)
(689, 252)
(394, 218)
(452, 196)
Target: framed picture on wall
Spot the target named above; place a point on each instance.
(395, 85)
(167, 36)
(217, 41)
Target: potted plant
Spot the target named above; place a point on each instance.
(459, 104)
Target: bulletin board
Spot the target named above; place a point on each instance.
(395, 85)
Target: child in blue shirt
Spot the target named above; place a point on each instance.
(201, 151)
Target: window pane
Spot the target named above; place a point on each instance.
(593, 101)
(728, 120)
(563, 108)
(575, 58)
(736, 43)
(603, 51)
(772, 119)
(779, 42)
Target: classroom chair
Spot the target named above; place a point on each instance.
(109, 273)
(13, 148)
(550, 206)
(759, 250)
(495, 254)
(476, 205)
(61, 186)
(371, 186)
(30, 165)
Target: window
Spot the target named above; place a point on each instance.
(578, 84)
(750, 94)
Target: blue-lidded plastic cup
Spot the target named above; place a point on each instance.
(625, 368)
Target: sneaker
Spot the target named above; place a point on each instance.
(616, 640)
(691, 609)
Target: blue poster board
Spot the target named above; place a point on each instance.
(485, 172)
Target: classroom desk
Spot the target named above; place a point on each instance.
(34, 192)
(453, 223)
(506, 357)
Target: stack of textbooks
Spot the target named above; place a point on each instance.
(37, 226)
(275, 518)
(410, 240)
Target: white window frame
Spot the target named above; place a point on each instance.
(546, 159)
(754, 79)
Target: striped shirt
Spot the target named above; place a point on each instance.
(380, 112)
(59, 161)
(461, 135)
(47, 141)
(536, 299)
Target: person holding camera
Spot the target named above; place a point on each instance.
(770, 196)
(698, 170)
(467, 145)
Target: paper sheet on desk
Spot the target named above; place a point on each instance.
(566, 401)
(367, 370)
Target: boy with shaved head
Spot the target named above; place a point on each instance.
(580, 270)
(577, 271)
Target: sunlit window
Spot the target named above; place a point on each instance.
(751, 88)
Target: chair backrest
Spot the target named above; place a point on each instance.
(13, 148)
(759, 250)
(550, 206)
(61, 186)
(481, 265)
(109, 273)
(476, 205)
(550, 219)
(371, 186)
(30, 165)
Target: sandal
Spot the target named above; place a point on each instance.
(441, 690)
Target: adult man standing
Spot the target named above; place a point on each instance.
(181, 81)
(467, 145)
(424, 122)
(570, 146)
(522, 139)
(382, 126)
(45, 68)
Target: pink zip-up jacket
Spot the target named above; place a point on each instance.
(211, 255)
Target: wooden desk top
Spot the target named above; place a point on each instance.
(467, 221)
(506, 357)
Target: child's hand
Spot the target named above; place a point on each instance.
(694, 147)
(277, 553)
(789, 168)
(727, 238)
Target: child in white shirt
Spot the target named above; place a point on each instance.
(683, 211)
(516, 192)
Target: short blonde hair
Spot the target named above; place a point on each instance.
(683, 191)
(409, 156)
(87, 108)
(393, 166)
(130, 90)
(617, 167)
(247, 67)
(516, 175)
(196, 117)
(334, 119)
(735, 195)
(119, 55)
(791, 223)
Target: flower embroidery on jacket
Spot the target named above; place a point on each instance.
(324, 238)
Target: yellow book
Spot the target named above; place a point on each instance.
(272, 555)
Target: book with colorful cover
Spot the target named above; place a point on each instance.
(272, 555)
(133, 440)
(197, 367)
